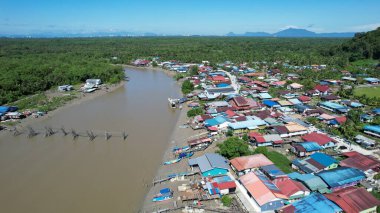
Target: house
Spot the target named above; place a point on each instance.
(273, 172)
(245, 164)
(242, 103)
(305, 148)
(312, 182)
(365, 142)
(266, 195)
(295, 101)
(292, 189)
(334, 107)
(338, 120)
(341, 177)
(353, 200)
(330, 98)
(295, 86)
(264, 96)
(323, 140)
(200, 142)
(314, 203)
(373, 130)
(284, 103)
(365, 163)
(290, 129)
(365, 118)
(210, 164)
(372, 81)
(316, 162)
(219, 122)
(322, 90)
(270, 103)
(223, 184)
(251, 123)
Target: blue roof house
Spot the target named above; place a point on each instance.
(334, 107)
(313, 182)
(314, 203)
(341, 177)
(372, 130)
(372, 80)
(210, 164)
(315, 163)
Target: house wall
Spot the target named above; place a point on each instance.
(370, 210)
(215, 172)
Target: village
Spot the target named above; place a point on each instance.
(260, 141)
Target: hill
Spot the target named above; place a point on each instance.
(361, 46)
(294, 33)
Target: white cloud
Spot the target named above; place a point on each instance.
(365, 27)
(290, 26)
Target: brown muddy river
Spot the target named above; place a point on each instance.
(57, 174)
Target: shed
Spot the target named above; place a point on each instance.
(210, 164)
(314, 203)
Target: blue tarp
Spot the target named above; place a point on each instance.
(165, 191)
(4, 109)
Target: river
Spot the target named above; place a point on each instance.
(57, 174)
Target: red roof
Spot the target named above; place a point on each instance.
(304, 98)
(321, 139)
(212, 128)
(218, 78)
(322, 88)
(250, 162)
(227, 185)
(341, 119)
(240, 101)
(360, 161)
(353, 200)
(230, 113)
(241, 118)
(289, 187)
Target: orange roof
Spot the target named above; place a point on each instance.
(289, 187)
(250, 162)
(295, 127)
(259, 191)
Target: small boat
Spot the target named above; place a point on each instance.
(172, 161)
(186, 155)
(165, 194)
(178, 150)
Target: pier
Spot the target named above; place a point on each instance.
(48, 131)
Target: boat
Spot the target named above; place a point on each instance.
(186, 155)
(178, 150)
(165, 194)
(172, 161)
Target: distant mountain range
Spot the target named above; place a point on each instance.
(288, 33)
(295, 33)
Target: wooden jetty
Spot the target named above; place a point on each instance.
(164, 179)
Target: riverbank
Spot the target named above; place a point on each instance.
(168, 72)
(79, 99)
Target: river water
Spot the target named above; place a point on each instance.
(57, 174)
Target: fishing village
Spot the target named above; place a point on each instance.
(254, 139)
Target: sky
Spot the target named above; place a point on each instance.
(186, 17)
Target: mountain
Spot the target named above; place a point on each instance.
(294, 33)
(251, 34)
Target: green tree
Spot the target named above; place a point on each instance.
(194, 70)
(187, 87)
(194, 112)
(233, 147)
(226, 200)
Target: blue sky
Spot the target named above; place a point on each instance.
(215, 17)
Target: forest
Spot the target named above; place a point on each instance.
(29, 66)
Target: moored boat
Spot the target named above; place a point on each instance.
(165, 194)
(172, 161)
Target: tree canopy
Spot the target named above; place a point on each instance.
(233, 147)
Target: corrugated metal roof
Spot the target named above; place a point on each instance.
(250, 162)
(315, 203)
(324, 159)
(209, 161)
(310, 146)
(353, 200)
(341, 176)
